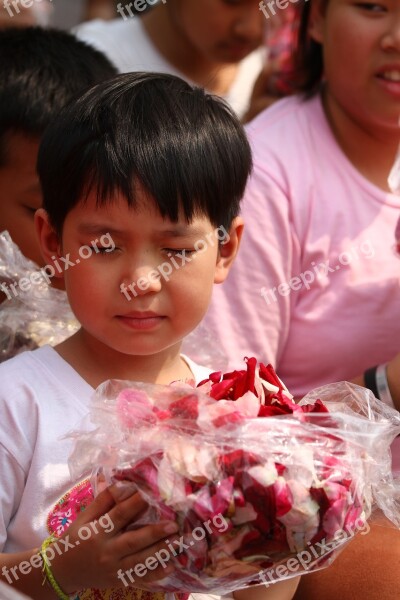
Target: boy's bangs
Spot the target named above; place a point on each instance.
(183, 148)
(180, 183)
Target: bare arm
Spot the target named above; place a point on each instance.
(282, 590)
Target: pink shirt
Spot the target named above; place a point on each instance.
(315, 289)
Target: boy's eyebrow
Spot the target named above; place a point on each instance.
(99, 229)
(182, 231)
(174, 231)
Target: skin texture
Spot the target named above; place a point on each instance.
(367, 568)
(225, 33)
(100, 9)
(111, 343)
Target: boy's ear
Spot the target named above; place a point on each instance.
(48, 239)
(317, 20)
(228, 250)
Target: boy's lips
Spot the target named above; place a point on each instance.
(141, 320)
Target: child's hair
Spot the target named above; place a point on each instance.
(40, 71)
(308, 59)
(184, 147)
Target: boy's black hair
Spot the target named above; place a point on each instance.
(186, 148)
(309, 63)
(40, 71)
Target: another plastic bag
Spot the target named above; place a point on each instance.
(256, 499)
(32, 316)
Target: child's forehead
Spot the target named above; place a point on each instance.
(118, 216)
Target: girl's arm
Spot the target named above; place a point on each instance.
(100, 561)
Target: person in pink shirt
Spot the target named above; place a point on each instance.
(315, 289)
(316, 286)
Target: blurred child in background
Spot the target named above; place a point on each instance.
(40, 71)
(213, 43)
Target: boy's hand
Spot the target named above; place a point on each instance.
(102, 560)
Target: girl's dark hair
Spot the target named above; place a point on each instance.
(308, 58)
(186, 149)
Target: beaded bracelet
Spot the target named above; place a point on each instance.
(47, 570)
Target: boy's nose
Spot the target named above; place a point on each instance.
(141, 280)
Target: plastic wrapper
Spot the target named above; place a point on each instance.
(32, 316)
(201, 347)
(262, 488)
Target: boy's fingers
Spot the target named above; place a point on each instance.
(143, 540)
(153, 564)
(124, 513)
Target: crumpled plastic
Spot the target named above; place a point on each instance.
(32, 318)
(257, 499)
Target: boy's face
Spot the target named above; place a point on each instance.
(144, 287)
(224, 31)
(20, 194)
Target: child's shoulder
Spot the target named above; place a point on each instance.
(37, 375)
(103, 27)
(114, 37)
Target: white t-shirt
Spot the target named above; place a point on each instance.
(128, 46)
(41, 399)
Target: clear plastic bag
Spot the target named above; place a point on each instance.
(32, 316)
(256, 499)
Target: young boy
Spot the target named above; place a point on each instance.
(40, 71)
(142, 179)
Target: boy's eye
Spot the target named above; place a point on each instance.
(179, 250)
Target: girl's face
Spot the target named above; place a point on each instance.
(223, 31)
(361, 50)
